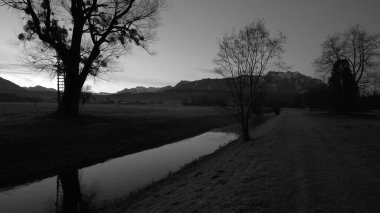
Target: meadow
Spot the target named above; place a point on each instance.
(35, 143)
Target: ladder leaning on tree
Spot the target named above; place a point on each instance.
(60, 82)
(60, 87)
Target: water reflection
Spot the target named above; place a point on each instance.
(80, 191)
(72, 195)
(72, 201)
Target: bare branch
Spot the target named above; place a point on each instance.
(360, 48)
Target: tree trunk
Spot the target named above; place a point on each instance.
(245, 130)
(71, 191)
(69, 106)
(70, 100)
(246, 136)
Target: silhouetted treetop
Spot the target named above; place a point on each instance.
(82, 37)
(88, 28)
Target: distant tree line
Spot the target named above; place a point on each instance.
(342, 100)
(205, 100)
(12, 97)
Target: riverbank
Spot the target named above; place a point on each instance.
(299, 161)
(34, 144)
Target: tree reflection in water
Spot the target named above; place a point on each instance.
(69, 198)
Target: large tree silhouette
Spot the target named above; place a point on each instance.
(343, 86)
(82, 37)
(243, 57)
(359, 48)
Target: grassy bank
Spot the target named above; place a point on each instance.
(298, 161)
(119, 204)
(35, 144)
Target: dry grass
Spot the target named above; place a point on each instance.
(297, 162)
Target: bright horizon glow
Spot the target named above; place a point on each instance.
(187, 39)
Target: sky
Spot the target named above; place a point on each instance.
(186, 41)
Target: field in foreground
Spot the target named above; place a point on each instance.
(35, 144)
(299, 161)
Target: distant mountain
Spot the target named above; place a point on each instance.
(165, 88)
(282, 82)
(103, 93)
(276, 82)
(203, 84)
(141, 89)
(39, 88)
(284, 86)
(289, 82)
(10, 87)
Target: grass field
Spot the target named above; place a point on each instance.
(35, 144)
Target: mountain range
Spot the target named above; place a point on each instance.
(284, 84)
(291, 82)
(140, 89)
(39, 88)
(10, 87)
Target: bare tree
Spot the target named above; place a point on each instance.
(359, 47)
(243, 57)
(84, 36)
(86, 94)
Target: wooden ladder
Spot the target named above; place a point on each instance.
(60, 87)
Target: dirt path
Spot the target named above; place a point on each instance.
(297, 162)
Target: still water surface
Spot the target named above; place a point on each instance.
(111, 179)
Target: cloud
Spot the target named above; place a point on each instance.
(16, 68)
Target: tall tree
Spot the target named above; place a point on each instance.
(82, 37)
(343, 86)
(244, 55)
(358, 47)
